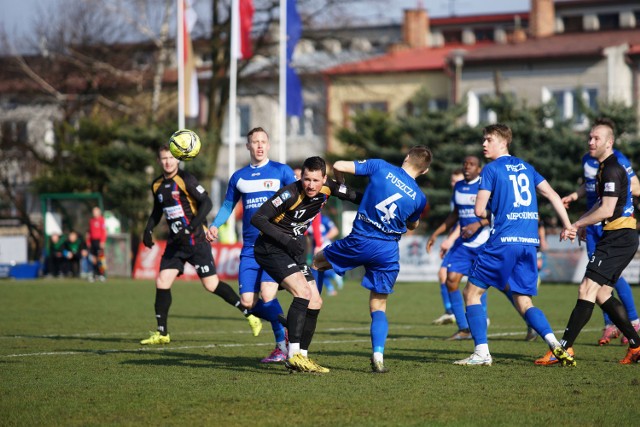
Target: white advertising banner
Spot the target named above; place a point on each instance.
(563, 261)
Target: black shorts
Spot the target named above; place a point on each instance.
(94, 248)
(199, 256)
(277, 262)
(613, 253)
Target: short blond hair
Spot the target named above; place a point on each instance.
(503, 131)
(420, 157)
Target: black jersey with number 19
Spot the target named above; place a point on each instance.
(185, 204)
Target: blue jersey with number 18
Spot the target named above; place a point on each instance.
(391, 198)
(513, 202)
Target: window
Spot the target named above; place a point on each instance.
(589, 100)
(572, 24)
(609, 21)
(477, 111)
(142, 59)
(567, 103)
(307, 125)
(433, 104)
(452, 36)
(484, 34)
(351, 109)
(13, 134)
(244, 122)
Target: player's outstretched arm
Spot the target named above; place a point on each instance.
(345, 166)
(578, 194)
(635, 186)
(451, 219)
(550, 194)
(482, 199)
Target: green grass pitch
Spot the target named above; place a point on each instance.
(70, 355)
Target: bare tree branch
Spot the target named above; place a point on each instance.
(39, 80)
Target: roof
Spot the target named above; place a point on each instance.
(406, 60)
(634, 50)
(569, 45)
(478, 19)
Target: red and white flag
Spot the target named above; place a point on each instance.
(191, 101)
(245, 18)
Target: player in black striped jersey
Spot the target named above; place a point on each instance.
(185, 204)
(282, 221)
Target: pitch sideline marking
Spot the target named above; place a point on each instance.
(230, 345)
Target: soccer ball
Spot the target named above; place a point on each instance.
(184, 144)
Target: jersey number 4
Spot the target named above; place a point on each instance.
(521, 190)
(388, 207)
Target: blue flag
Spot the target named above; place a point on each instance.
(294, 87)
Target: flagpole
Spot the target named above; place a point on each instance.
(233, 88)
(282, 98)
(180, 53)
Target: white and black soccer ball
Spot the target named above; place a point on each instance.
(184, 144)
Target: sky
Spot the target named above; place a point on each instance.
(15, 15)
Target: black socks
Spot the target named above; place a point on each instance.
(163, 302)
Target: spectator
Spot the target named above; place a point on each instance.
(86, 263)
(56, 258)
(74, 250)
(98, 238)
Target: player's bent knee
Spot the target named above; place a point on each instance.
(248, 299)
(210, 283)
(316, 303)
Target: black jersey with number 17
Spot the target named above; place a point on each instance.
(290, 211)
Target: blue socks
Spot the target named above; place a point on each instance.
(477, 318)
(457, 306)
(379, 330)
(537, 320)
(444, 292)
(270, 311)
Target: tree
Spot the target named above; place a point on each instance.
(99, 66)
(265, 42)
(79, 74)
(554, 151)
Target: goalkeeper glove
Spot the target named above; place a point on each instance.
(147, 238)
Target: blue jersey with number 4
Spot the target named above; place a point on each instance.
(513, 202)
(392, 198)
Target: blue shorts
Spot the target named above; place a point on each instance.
(516, 265)
(594, 234)
(445, 259)
(460, 258)
(380, 259)
(251, 275)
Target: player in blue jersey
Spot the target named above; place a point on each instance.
(594, 234)
(448, 316)
(392, 203)
(474, 232)
(255, 184)
(614, 250)
(507, 192)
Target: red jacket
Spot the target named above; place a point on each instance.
(97, 229)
